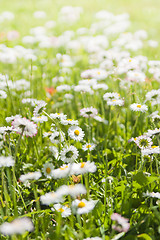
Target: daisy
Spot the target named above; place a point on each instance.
(73, 190)
(115, 102)
(88, 146)
(76, 133)
(69, 122)
(150, 132)
(54, 151)
(40, 119)
(152, 194)
(47, 169)
(30, 176)
(17, 226)
(111, 95)
(82, 206)
(3, 94)
(39, 108)
(152, 150)
(83, 167)
(69, 154)
(138, 107)
(122, 223)
(61, 172)
(143, 142)
(96, 73)
(50, 198)
(64, 210)
(58, 116)
(25, 126)
(57, 137)
(88, 112)
(6, 161)
(11, 118)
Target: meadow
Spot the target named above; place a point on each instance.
(79, 120)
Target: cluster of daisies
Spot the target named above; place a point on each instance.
(110, 84)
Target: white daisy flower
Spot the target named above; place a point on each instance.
(69, 154)
(98, 86)
(115, 102)
(47, 169)
(122, 223)
(111, 95)
(152, 194)
(138, 107)
(73, 190)
(152, 150)
(83, 206)
(3, 94)
(50, 198)
(143, 142)
(40, 119)
(25, 126)
(57, 137)
(30, 176)
(83, 167)
(96, 73)
(64, 210)
(11, 118)
(88, 112)
(76, 133)
(88, 146)
(58, 116)
(153, 95)
(69, 122)
(6, 161)
(17, 226)
(64, 87)
(62, 172)
(39, 108)
(54, 151)
(150, 132)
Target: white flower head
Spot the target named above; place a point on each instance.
(17, 226)
(39, 108)
(57, 137)
(136, 107)
(47, 169)
(83, 206)
(30, 176)
(62, 172)
(69, 154)
(89, 112)
(6, 161)
(76, 133)
(83, 167)
(143, 142)
(25, 126)
(64, 210)
(88, 146)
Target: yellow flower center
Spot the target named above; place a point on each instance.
(130, 60)
(83, 164)
(88, 146)
(61, 210)
(58, 113)
(69, 119)
(113, 100)
(81, 204)
(98, 73)
(135, 139)
(76, 132)
(63, 168)
(48, 170)
(139, 106)
(154, 146)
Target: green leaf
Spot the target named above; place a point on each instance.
(140, 178)
(144, 236)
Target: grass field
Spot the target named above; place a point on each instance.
(79, 120)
